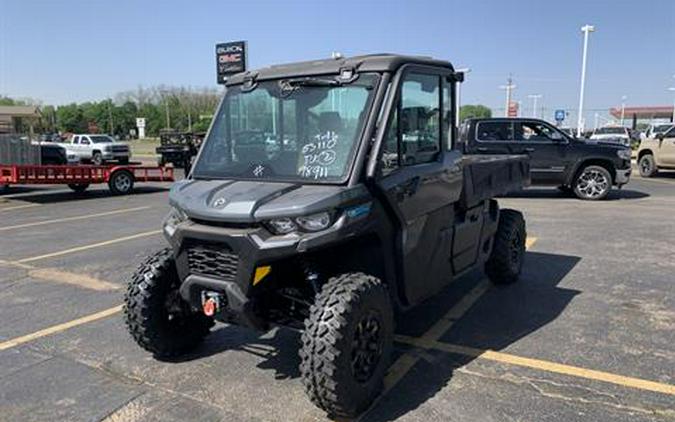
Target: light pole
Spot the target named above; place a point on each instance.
(534, 97)
(509, 87)
(623, 108)
(672, 89)
(586, 29)
(458, 99)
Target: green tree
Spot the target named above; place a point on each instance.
(471, 111)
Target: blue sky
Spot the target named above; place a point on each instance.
(63, 51)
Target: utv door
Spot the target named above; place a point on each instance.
(421, 180)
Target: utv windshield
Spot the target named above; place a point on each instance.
(304, 129)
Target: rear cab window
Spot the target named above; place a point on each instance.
(494, 131)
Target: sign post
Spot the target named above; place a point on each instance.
(140, 124)
(231, 58)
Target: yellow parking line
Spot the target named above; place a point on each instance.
(87, 247)
(64, 277)
(78, 217)
(19, 207)
(541, 365)
(59, 328)
(405, 362)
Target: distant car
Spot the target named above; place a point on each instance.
(618, 134)
(97, 148)
(653, 130)
(656, 153)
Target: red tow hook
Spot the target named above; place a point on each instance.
(210, 307)
(212, 302)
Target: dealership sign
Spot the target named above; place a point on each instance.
(230, 59)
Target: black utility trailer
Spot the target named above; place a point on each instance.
(177, 148)
(328, 196)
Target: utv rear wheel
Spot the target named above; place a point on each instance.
(155, 315)
(508, 251)
(647, 166)
(347, 343)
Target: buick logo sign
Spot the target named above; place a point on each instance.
(220, 202)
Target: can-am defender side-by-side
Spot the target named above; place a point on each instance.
(327, 197)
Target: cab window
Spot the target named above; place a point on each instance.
(494, 131)
(415, 125)
(535, 132)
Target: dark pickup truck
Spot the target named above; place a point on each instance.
(588, 168)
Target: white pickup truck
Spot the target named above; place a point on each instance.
(97, 148)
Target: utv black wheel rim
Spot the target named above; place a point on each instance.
(366, 347)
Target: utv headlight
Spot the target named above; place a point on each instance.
(172, 220)
(282, 225)
(624, 153)
(310, 223)
(315, 222)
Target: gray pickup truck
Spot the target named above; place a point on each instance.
(360, 205)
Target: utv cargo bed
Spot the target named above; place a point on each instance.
(487, 176)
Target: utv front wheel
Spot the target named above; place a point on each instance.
(346, 344)
(508, 250)
(155, 315)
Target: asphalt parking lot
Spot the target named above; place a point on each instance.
(587, 334)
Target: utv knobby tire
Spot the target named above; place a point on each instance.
(508, 250)
(146, 314)
(329, 342)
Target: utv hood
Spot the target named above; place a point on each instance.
(252, 201)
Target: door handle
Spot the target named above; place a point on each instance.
(529, 149)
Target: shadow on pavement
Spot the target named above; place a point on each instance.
(553, 193)
(49, 196)
(503, 315)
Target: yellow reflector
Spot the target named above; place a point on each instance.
(260, 273)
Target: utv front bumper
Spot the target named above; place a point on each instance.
(224, 259)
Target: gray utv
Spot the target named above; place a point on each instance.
(327, 197)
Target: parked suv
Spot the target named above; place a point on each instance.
(588, 168)
(97, 148)
(657, 153)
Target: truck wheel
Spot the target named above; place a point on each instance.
(97, 158)
(593, 183)
(157, 318)
(346, 344)
(79, 187)
(647, 166)
(508, 250)
(121, 182)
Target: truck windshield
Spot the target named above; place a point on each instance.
(295, 129)
(100, 139)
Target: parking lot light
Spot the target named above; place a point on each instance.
(672, 88)
(534, 97)
(586, 29)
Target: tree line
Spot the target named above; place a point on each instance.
(180, 108)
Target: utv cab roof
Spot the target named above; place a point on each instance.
(367, 63)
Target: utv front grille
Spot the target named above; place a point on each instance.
(213, 260)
